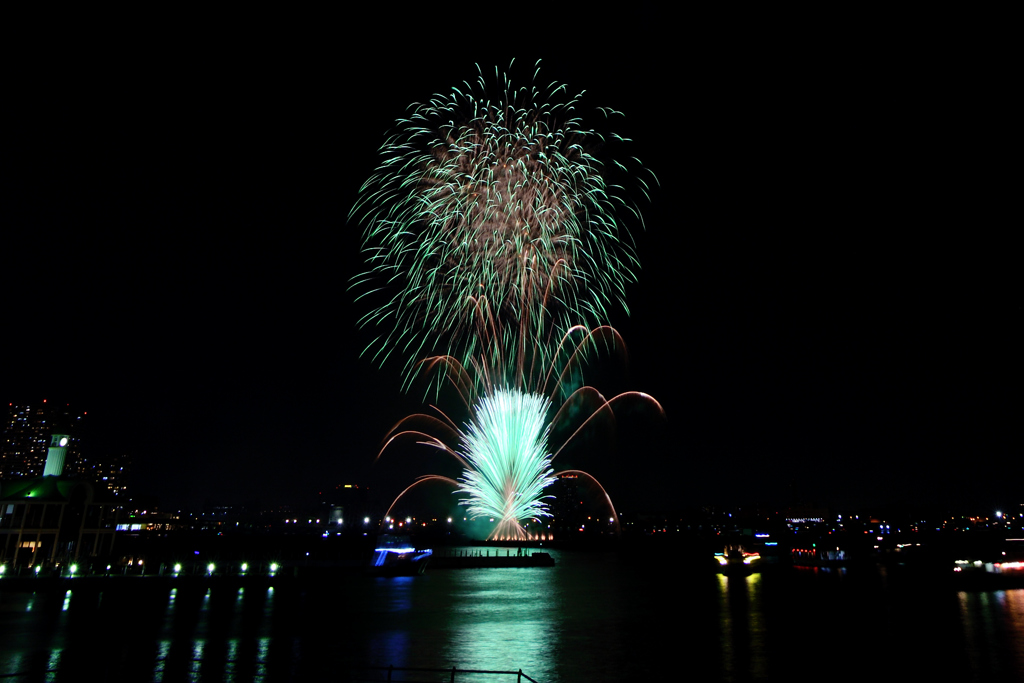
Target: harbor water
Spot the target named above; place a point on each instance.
(597, 616)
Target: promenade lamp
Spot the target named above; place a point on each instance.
(245, 567)
(3, 569)
(73, 568)
(177, 568)
(38, 567)
(210, 567)
(273, 568)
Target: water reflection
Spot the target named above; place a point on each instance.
(504, 619)
(993, 623)
(162, 650)
(391, 646)
(592, 618)
(741, 623)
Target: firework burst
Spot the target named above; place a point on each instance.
(491, 205)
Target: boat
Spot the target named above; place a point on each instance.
(397, 556)
(1001, 566)
(735, 559)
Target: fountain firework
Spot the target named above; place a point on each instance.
(504, 446)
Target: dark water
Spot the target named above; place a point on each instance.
(594, 617)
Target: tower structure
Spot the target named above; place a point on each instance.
(27, 434)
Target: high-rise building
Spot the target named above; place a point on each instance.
(111, 471)
(26, 437)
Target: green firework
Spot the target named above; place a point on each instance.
(505, 447)
(491, 216)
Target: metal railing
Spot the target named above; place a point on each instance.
(391, 670)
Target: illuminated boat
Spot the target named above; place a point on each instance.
(397, 556)
(736, 559)
(1005, 563)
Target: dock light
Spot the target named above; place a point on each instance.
(210, 567)
(177, 568)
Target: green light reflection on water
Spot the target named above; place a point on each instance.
(505, 619)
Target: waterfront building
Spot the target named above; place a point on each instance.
(52, 519)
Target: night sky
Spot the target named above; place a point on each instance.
(829, 305)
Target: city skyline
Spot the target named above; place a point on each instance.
(826, 307)
(27, 433)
